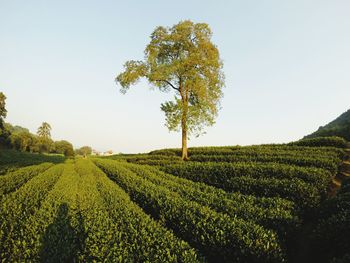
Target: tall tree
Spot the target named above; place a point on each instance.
(181, 58)
(3, 111)
(85, 151)
(64, 147)
(4, 133)
(44, 131)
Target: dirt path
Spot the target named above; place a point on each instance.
(302, 252)
(343, 173)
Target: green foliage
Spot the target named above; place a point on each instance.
(16, 209)
(339, 127)
(216, 235)
(319, 162)
(64, 147)
(229, 176)
(20, 139)
(13, 180)
(222, 172)
(3, 111)
(84, 151)
(322, 141)
(74, 213)
(181, 58)
(10, 160)
(259, 150)
(44, 131)
(134, 236)
(24, 141)
(274, 213)
(330, 236)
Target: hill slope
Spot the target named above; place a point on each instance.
(339, 127)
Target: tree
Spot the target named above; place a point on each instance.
(85, 151)
(4, 133)
(44, 131)
(22, 140)
(183, 59)
(3, 111)
(64, 147)
(45, 143)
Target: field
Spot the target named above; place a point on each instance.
(264, 203)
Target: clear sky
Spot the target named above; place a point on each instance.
(287, 67)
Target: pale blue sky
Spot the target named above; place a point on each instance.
(287, 67)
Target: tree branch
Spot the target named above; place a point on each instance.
(169, 83)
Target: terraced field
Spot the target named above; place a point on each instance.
(227, 204)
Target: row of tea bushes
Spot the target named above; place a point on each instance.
(332, 141)
(273, 213)
(219, 174)
(17, 207)
(10, 159)
(216, 235)
(124, 232)
(13, 180)
(52, 231)
(319, 162)
(330, 237)
(73, 213)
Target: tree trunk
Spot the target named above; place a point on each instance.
(184, 96)
(184, 139)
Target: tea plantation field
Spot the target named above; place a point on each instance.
(265, 203)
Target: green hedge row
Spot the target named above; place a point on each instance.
(279, 149)
(13, 180)
(322, 141)
(124, 232)
(155, 162)
(17, 207)
(52, 232)
(83, 217)
(305, 195)
(220, 173)
(216, 235)
(273, 213)
(24, 158)
(324, 163)
(330, 237)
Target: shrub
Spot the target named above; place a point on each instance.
(216, 235)
(322, 141)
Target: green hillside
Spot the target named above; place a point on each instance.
(339, 127)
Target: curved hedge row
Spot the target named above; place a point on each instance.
(279, 149)
(220, 173)
(52, 232)
(10, 159)
(324, 163)
(82, 217)
(124, 232)
(273, 213)
(330, 237)
(304, 194)
(332, 141)
(18, 206)
(216, 235)
(13, 180)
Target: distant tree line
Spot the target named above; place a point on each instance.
(21, 139)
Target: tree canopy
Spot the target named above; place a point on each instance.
(181, 58)
(3, 111)
(4, 134)
(85, 151)
(44, 131)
